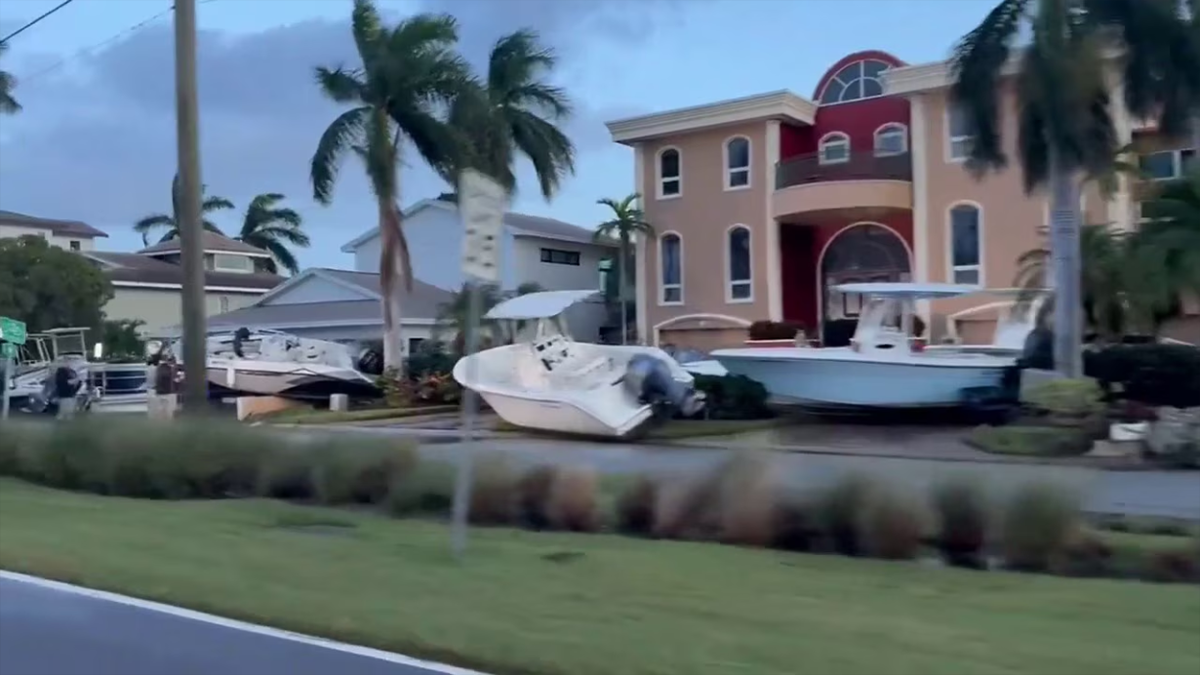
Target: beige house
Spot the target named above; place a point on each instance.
(147, 285)
(865, 181)
(69, 234)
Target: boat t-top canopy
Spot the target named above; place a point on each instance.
(541, 305)
(910, 290)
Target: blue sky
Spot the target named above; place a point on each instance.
(96, 143)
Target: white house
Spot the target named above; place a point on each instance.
(338, 305)
(555, 255)
(69, 234)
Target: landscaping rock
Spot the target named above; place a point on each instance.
(1175, 436)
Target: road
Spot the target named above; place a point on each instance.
(54, 629)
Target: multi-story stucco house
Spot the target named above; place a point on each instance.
(789, 196)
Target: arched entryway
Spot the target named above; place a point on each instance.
(862, 252)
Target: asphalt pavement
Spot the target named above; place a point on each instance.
(54, 629)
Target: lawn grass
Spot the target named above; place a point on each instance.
(1030, 441)
(309, 416)
(672, 430)
(618, 605)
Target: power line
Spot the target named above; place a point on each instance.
(33, 23)
(24, 79)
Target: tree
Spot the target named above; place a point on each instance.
(122, 340)
(273, 229)
(513, 110)
(157, 221)
(48, 287)
(8, 104)
(628, 221)
(1170, 238)
(1065, 127)
(453, 315)
(406, 72)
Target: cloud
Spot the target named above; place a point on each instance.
(97, 139)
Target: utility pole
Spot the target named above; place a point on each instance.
(191, 247)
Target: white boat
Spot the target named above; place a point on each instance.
(1016, 317)
(884, 366)
(553, 383)
(108, 387)
(271, 363)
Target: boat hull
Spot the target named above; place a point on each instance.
(867, 384)
(225, 381)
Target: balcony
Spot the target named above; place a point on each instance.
(864, 187)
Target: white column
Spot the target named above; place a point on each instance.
(774, 266)
(642, 289)
(919, 153)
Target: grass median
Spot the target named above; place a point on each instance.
(555, 604)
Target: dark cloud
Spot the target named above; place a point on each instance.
(97, 138)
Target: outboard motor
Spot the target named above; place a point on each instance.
(649, 379)
(370, 362)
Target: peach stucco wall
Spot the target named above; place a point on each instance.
(701, 216)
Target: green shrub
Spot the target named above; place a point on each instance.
(572, 504)
(796, 525)
(1178, 565)
(774, 330)
(427, 489)
(892, 525)
(1154, 374)
(840, 511)
(1067, 399)
(747, 501)
(733, 397)
(1037, 523)
(429, 359)
(363, 473)
(1084, 554)
(635, 507)
(287, 473)
(494, 492)
(1032, 441)
(961, 511)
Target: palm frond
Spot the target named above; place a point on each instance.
(549, 150)
(152, 222)
(341, 86)
(367, 28)
(338, 137)
(211, 204)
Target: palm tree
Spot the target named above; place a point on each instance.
(1171, 239)
(406, 72)
(628, 221)
(157, 221)
(453, 315)
(513, 110)
(273, 229)
(8, 104)
(1065, 129)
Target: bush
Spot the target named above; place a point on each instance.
(286, 473)
(733, 397)
(494, 492)
(533, 495)
(427, 489)
(1084, 554)
(1154, 374)
(1037, 523)
(364, 474)
(840, 511)
(572, 504)
(961, 510)
(774, 330)
(747, 502)
(892, 526)
(635, 507)
(1067, 400)
(1173, 565)
(796, 526)
(429, 359)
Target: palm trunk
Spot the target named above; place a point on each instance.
(622, 295)
(391, 283)
(1065, 256)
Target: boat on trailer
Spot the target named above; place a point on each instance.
(548, 381)
(885, 365)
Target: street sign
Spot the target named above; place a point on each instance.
(12, 330)
(482, 203)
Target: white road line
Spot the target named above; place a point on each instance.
(266, 631)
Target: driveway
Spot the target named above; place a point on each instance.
(55, 629)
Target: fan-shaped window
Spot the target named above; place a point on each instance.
(670, 259)
(859, 80)
(965, 244)
(739, 287)
(670, 174)
(834, 148)
(891, 139)
(737, 163)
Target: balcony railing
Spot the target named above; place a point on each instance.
(805, 169)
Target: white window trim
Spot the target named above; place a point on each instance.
(662, 288)
(729, 281)
(233, 270)
(1176, 162)
(728, 172)
(947, 115)
(833, 77)
(658, 176)
(950, 266)
(889, 126)
(825, 141)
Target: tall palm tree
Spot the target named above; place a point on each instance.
(273, 229)
(511, 110)
(8, 104)
(1065, 129)
(406, 72)
(628, 221)
(157, 221)
(1171, 236)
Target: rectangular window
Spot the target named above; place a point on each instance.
(74, 245)
(671, 261)
(959, 133)
(1167, 164)
(555, 256)
(223, 262)
(965, 244)
(414, 345)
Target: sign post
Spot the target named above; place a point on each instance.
(12, 334)
(482, 203)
